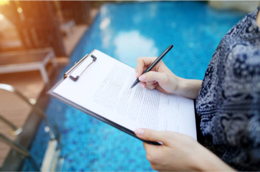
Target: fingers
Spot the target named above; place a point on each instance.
(151, 84)
(153, 153)
(152, 76)
(152, 135)
(142, 64)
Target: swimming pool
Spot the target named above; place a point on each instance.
(127, 31)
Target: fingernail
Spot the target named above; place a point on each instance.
(139, 131)
(142, 78)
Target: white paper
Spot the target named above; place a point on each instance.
(104, 88)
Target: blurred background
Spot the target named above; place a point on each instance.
(41, 40)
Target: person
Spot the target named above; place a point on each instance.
(227, 102)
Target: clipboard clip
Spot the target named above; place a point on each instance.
(76, 77)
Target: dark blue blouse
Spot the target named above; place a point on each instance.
(229, 99)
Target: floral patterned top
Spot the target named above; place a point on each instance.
(229, 100)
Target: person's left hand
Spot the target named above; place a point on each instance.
(178, 152)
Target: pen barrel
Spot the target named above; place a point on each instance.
(147, 70)
(158, 59)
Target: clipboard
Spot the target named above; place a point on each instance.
(83, 109)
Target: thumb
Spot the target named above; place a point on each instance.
(151, 135)
(153, 76)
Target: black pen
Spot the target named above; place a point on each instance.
(154, 63)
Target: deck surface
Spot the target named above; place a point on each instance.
(30, 84)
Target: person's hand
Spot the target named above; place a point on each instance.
(160, 77)
(178, 152)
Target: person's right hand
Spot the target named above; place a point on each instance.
(160, 77)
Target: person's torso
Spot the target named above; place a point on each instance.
(229, 99)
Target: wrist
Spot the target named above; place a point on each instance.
(188, 88)
(176, 85)
(204, 160)
(181, 87)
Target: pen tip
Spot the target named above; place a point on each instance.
(136, 82)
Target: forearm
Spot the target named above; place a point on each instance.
(207, 161)
(188, 88)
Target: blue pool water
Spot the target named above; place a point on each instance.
(127, 31)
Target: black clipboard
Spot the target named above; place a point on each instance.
(88, 112)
